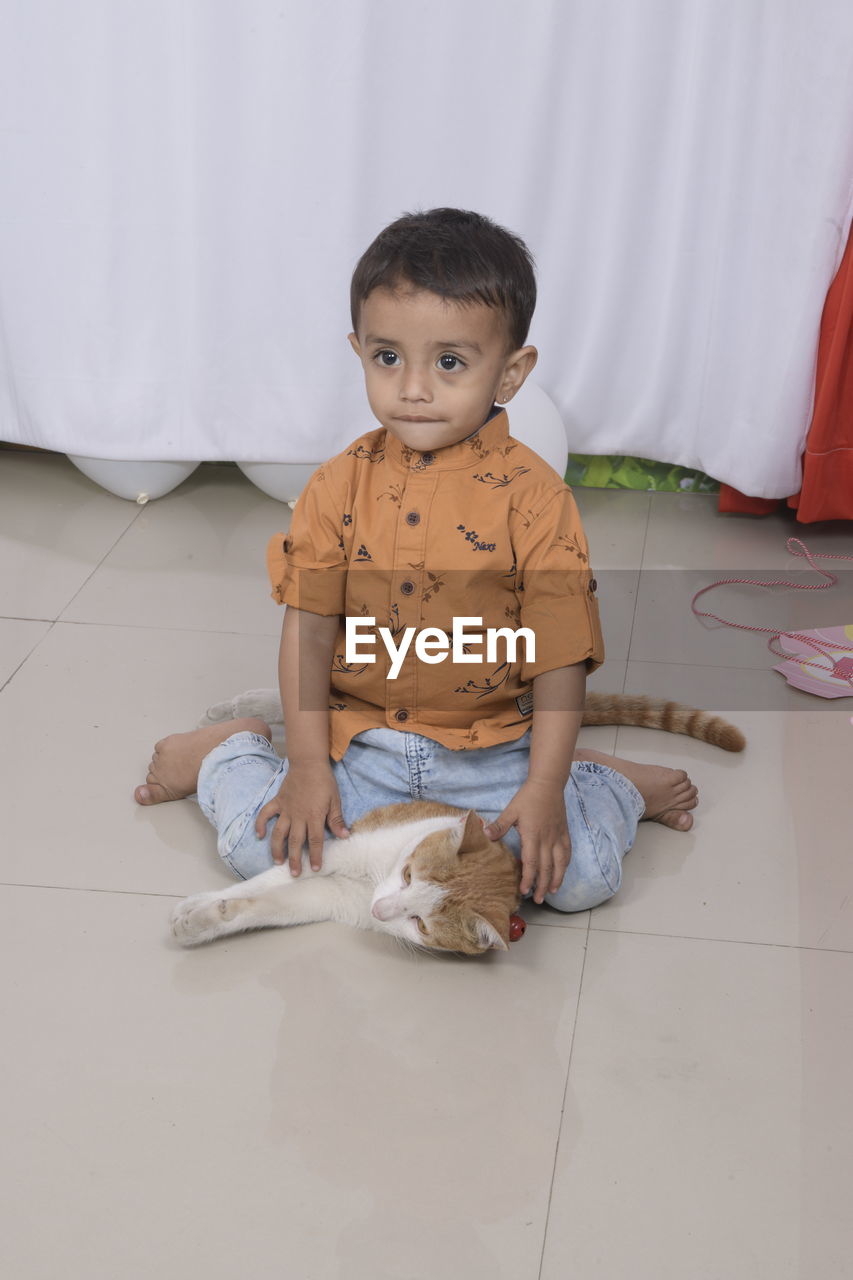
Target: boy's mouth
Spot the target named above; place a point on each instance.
(412, 417)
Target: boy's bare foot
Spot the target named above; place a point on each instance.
(173, 771)
(668, 793)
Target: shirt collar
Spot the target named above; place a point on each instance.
(454, 457)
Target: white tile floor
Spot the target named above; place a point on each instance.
(652, 1090)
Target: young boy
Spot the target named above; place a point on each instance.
(436, 520)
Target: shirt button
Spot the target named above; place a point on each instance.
(427, 458)
(412, 517)
(407, 587)
(401, 715)
(593, 586)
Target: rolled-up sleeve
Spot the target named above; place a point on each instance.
(556, 588)
(308, 566)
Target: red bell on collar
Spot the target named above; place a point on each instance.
(517, 927)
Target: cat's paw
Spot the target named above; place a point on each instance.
(203, 917)
(217, 713)
(264, 703)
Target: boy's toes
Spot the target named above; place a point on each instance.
(674, 799)
(150, 794)
(153, 792)
(678, 819)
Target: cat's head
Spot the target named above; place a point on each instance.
(454, 890)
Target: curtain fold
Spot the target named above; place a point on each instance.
(827, 489)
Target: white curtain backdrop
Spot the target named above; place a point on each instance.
(186, 185)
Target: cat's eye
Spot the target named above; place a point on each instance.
(419, 922)
(407, 874)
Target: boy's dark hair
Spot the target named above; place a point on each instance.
(457, 254)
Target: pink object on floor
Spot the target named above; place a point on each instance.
(828, 673)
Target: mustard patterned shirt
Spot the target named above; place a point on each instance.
(480, 529)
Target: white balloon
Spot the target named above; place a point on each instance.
(138, 481)
(282, 480)
(535, 420)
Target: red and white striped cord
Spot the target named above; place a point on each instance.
(803, 554)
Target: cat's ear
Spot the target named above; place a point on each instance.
(470, 830)
(488, 936)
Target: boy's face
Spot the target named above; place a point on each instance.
(434, 368)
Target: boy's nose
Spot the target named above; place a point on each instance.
(415, 386)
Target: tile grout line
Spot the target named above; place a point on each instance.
(533, 924)
(261, 635)
(639, 577)
(691, 937)
(53, 621)
(148, 626)
(563, 1104)
(108, 552)
(634, 613)
(81, 888)
(637, 597)
(20, 617)
(724, 942)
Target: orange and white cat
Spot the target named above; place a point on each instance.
(422, 872)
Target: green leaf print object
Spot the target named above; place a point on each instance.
(591, 471)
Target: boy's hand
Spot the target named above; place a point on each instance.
(307, 802)
(538, 812)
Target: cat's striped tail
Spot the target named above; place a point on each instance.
(601, 708)
(657, 713)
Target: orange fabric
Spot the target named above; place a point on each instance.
(827, 488)
(482, 529)
(732, 500)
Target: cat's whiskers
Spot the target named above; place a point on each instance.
(415, 948)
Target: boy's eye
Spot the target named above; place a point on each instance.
(387, 358)
(449, 363)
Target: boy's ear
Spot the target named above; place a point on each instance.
(517, 367)
(353, 341)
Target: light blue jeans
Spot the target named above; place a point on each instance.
(387, 766)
